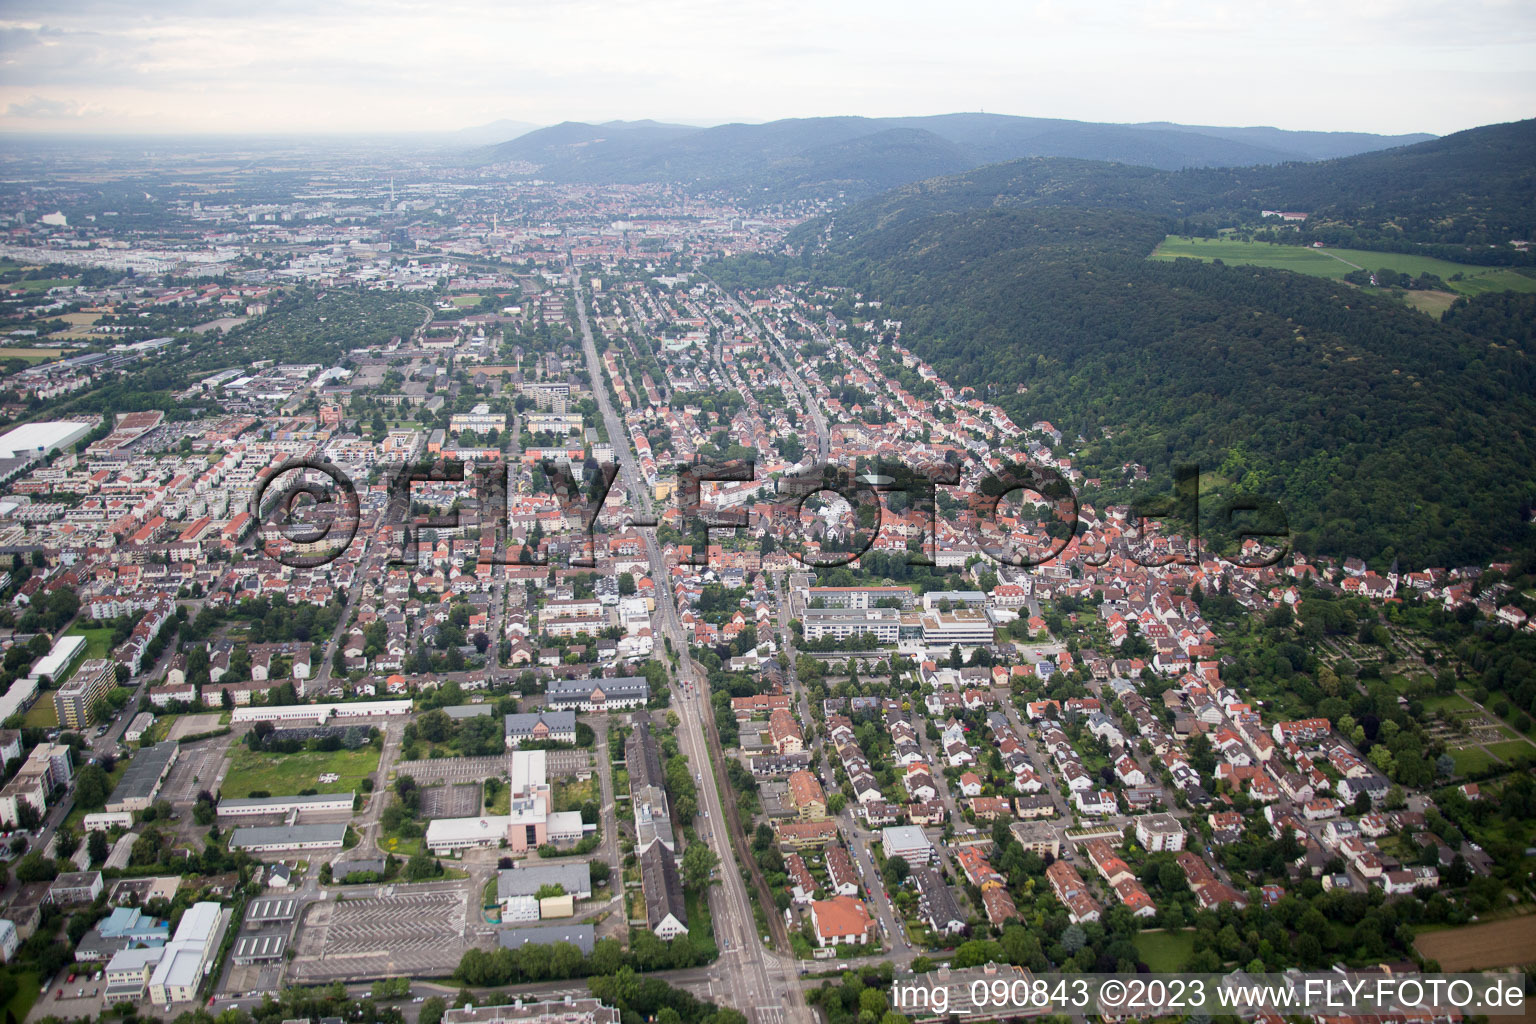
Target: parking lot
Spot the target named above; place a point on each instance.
(197, 767)
(568, 762)
(453, 769)
(413, 932)
(456, 800)
(193, 725)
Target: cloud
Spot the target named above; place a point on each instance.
(39, 107)
(201, 65)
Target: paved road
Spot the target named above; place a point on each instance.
(759, 983)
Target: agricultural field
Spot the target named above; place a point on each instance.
(36, 285)
(288, 774)
(1335, 263)
(31, 355)
(1506, 943)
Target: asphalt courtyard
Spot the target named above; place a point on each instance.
(416, 933)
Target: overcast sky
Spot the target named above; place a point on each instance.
(345, 65)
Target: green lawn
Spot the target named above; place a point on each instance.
(1470, 759)
(76, 818)
(42, 284)
(98, 642)
(287, 774)
(27, 990)
(1453, 702)
(1511, 749)
(1166, 952)
(42, 714)
(569, 796)
(1335, 263)
(701, 930)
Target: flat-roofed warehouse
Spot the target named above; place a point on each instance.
(271, 910)
(567, 1011)
(250, 807)
(575, 879)
(251, 949)
(141, 782)
(582, 936)
(37, 439)
(267, 838)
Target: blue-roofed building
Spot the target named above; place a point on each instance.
(133, 924)
(124, 928)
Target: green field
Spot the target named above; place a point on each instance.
(701, 930)
(1511, 749)
(1452, 701)
(1166, 952)
(287, 774)
(1471, 759)
(1335, 263)
(31, 355)
(42, 714)
(569, 796)
(41, 284)
(27, 991)
(98, 642)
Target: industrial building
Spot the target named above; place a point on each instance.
(176, 976)
(566, 1011)
(574, 879)
(320, 713)
(253, 807)
(582, 936)
(262, 948)
(37, 440)
(268, 839)
(141, 782)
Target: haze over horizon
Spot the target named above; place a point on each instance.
(94, 66)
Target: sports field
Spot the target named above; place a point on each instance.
(1335, 263)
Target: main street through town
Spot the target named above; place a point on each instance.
(758, 982)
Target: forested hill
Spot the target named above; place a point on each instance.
(858, 156)
(1383, 432)
(1463, 197)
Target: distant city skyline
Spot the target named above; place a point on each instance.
(1386, 66)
